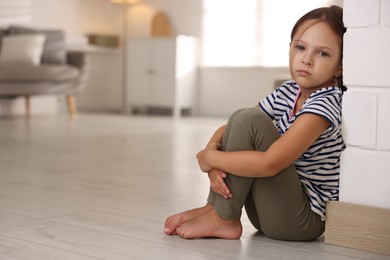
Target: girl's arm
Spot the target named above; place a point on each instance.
(217, 137)
(282, 153)
(216, 176)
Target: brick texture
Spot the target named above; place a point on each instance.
(384, 122)
(367, 57)
(353, 10)
(359, 117)
(365, 164)
(365, 177)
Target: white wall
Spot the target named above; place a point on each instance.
(365, 165)
(224, 90)
(78, 17)
(14, 12)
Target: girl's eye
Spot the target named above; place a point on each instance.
(323, 54)
(299, 47)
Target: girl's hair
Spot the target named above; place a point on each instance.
(333, 17)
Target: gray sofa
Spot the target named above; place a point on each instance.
(59, 72)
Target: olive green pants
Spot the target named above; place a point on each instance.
(277, 206)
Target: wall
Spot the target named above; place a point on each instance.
(78, 17)
(14, 12)
(365, 165)
(224, 90)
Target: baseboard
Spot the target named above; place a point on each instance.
(357, 226)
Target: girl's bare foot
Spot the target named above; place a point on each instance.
(210, 224)
(176, 220)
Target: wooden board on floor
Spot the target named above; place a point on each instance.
(357, 226)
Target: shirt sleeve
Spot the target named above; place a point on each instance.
(267, 104)
(327, 106)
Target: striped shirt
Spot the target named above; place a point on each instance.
(318, 168)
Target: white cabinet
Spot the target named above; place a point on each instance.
(161, 73)
(104, 89)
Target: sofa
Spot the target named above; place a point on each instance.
(36, 62)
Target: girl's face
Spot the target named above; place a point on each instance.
(315, 56)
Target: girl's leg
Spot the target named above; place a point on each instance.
(278, 206)
(248, 129)
(212, 195)
(172, 222)
(282, 208)
(251, 129)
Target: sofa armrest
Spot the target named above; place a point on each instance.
(78, 59)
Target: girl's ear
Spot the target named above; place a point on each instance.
(339, 72)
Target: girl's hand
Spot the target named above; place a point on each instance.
(202, 156)
(218, 184)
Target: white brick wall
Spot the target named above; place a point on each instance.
(365, 165)
(365, 177)
(360, 121)
(361, 13)
(386, 12)
(366, 56)
(384, 122)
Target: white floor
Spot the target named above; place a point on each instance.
(102, 187)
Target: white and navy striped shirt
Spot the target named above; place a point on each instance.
(319, 166)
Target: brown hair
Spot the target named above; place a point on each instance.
(333, 17)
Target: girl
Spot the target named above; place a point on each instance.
(280, 159)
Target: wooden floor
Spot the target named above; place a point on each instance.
(102, 187)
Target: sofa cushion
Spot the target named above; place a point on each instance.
(54, 50)
(22, 49)
(31, 73)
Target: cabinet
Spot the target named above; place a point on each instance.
(104, 89)
(161, 73)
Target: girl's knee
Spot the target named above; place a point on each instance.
(249, 129)
(234, 115)
(260, 128)
(253, 116)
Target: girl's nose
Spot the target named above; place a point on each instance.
(307, 62)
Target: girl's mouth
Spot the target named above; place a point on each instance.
(303, 73)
